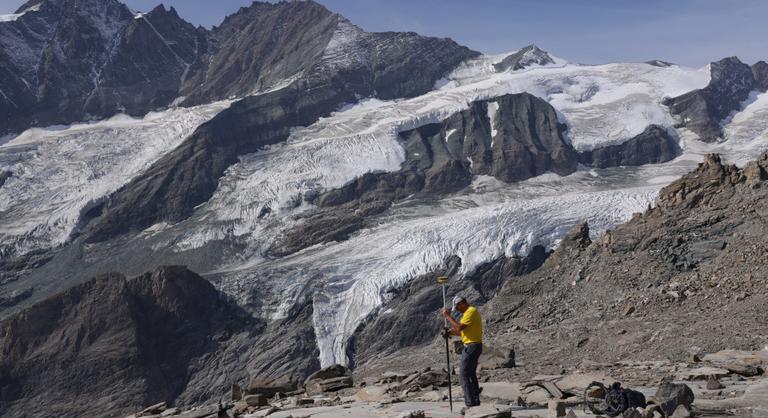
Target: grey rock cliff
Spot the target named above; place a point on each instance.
(654, 145)
(703, 110)
(113, 344)
(760, 73)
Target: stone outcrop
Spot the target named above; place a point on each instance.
(4, 176)
(654, 145)
(113, 344)
(760, 73)
(329, 379)
(703, 110)
(671, 396)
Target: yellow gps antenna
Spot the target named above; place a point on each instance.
(443, 280)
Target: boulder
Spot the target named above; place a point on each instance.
(336, 370)
(432, 378)
(503, 391)
(556, 409)
(681, 412)
(391, 377)
(742, 369)
(714, 384)
(702, 373)
(489, 411)
(671, 395)
(152, 410)
(631, 413)
(372, 393)
(256, 400)
(318, 386)
(297, 402)
(201, 412)
(269, 387)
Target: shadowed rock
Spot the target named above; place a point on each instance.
(760, 73)
(654, 145)
(113, 344)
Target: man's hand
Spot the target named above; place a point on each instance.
(446, 313)
(447, 333)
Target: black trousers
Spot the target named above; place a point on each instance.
(468, 373)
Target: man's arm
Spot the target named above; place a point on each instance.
(456, 327)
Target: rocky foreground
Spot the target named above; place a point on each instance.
(728, 383)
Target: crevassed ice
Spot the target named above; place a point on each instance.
(258, 198)
(59, 172)
(601, 104)
(362, 269)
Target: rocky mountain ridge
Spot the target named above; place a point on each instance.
(98, 58)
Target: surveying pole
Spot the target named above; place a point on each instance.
(443, 280)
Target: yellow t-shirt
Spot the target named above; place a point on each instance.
(473, 332)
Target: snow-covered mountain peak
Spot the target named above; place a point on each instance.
(527, 57)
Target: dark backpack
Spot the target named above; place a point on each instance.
(616, 401)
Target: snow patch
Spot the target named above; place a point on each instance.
(15, 16)
(493, 107)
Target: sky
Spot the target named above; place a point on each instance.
(688, 32)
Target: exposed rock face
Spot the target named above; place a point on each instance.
(659, 63)
(699, 246)
(512, 137)
(670, 396)
(4, 176)
(113, 344)
(530, 55)
(99, 59)
(760, 73)
(654, 145)
(260, 46)
(154, 57)
(703, 110)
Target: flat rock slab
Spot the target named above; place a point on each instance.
(363, 410)
(755, 397)
(576, 383)
(702, 373)
(506, 391)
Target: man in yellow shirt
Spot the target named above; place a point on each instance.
(470, 329)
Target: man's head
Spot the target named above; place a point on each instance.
(460, 304)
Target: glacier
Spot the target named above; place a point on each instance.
(346, 281)
(60, 172)
(261, 197)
